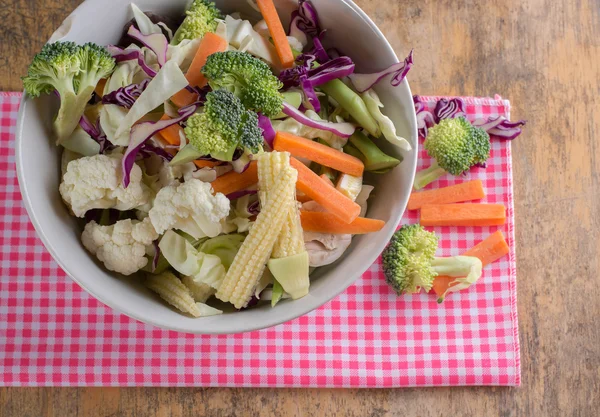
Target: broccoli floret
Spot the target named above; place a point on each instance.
(456, 146)
(200, 19)
(73, 72)
(409, 262)
(224, 124)
(250, 134)
(248, 78)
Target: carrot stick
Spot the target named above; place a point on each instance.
(171, 133)
(282, 46)
(99, 90)
(232, 181)
(470, 190)
(323, 222)
(200, 163)
(209, 44)
(488, 250)
(302, 198)
(319, 153)
(463, 215)
(321, 192)
(326, 179)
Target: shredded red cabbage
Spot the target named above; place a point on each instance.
(500, 127)
(141, 132)
(254, 208)
(449, 109)
(425, 119)
(149, 148)
(364, 82)
(126, 96)
(308, 78)
(497, 127)
(318, 50)
(96, 133)
(304, 22)
(121, 55)
(267, 129)
(239, 194)
(344, 130)
(156, 42)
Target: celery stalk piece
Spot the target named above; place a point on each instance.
(353, 103)
(375, 159)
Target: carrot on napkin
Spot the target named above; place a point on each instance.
(463, 215)
(488, 250)
(466, 191)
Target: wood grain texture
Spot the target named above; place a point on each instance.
(544, 56)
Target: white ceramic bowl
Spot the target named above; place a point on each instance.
(101, 21)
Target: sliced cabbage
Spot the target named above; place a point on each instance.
(183, 53)
(167, 82)
(82, 143)
(238, 34)
(292, 126)
(386, 125)
(186, 260)
(143, 22)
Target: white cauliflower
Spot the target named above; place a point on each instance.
(96, 182)
(190, 207)
(121, 247)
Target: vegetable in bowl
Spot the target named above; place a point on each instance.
(180, 196)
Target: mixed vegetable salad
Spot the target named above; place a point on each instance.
(224, 159)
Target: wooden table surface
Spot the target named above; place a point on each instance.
(543, 55)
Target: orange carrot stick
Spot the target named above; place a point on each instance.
(488, 250)
(171, 133)
(327, 180)
(200, 163)
(491, 249)
(232, 181)
(319, 153)
(321, 192)
(466, 191)
(282, 46)
(99, 90)
(209, 44)
(463, 215)
(323, 222)
(302, 198)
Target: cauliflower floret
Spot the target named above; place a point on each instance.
(95, 182)
(190, 207)
(121, 247)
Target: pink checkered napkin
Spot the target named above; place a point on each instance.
(54, 333)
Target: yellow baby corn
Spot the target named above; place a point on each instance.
(289, 264)
(290, 240)
(199, 290)
(249, 263)
(173, 291)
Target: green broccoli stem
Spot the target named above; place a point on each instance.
(454, 266)
(428, 175)
(467, 270)
(375, 159)
(71, 109)
(352, 103)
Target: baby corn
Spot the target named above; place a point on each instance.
(248, 265)
(173, 291)
(199, 290)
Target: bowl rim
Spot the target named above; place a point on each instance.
(245, 326)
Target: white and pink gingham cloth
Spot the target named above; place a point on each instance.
(52, 333)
